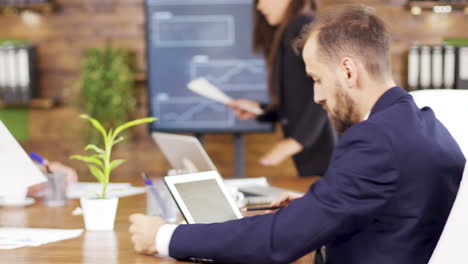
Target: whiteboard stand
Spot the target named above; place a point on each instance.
(239, 155)
(239, 149)
(201, 138)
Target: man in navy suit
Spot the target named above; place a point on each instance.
(390, 185)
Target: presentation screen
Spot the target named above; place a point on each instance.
(188, 39)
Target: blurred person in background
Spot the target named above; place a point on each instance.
(309, 137)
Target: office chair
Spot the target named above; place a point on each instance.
(451, 108)
(451, 248)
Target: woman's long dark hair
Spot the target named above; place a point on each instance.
(267, 38)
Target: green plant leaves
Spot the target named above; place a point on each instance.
(99, 163)
(121, 128)
(115, 163)
(120, 139)
(98, 174)
(96, 124)
(94, 148)
(89, 159)
(107, 86)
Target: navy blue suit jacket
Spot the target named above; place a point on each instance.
(384, 199)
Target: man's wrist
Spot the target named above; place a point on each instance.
(163, 239)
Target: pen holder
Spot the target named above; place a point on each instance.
(153, 207)
(55, 191)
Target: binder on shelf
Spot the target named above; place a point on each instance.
(449, 67)
(11, 74)
(413, 67)
(437, 67)
(16, 73)
(3, 73)
(425, 69)
(462, 66)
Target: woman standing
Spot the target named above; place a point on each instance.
(308, 134)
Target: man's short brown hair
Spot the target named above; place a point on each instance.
(354, 31)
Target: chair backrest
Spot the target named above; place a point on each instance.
(452, 245)
(451, 108)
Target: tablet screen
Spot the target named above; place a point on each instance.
(202, 198)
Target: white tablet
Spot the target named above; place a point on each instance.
(184, 152)
(202, 198)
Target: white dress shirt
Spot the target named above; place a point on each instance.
(163, 239)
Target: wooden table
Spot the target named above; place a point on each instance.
(93, 247)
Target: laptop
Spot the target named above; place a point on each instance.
(184, 153)
(187, 154)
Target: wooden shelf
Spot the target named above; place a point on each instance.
(141, 77)
(37, 103)
(431, 4)
(37, 7)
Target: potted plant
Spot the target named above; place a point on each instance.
(107, 87)
(99, 210)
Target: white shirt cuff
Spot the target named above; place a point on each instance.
(163, 239)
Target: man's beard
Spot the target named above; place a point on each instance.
(344, 115)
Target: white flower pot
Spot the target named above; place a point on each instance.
(99, 214)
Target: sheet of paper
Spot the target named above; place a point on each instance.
(81, 189)
(11, 238)
(204, 88)
(248, 182)
(17, 171)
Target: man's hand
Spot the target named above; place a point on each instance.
(281, 151)
(240, 113)
(143, 230)
(283, 200)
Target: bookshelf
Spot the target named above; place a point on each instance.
(458, 5)
(36, 103)
(13, 7)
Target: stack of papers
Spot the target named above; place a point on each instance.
(11, 238)
(248, 182)
(87, 189)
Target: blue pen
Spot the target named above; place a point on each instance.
(41, 161)
(155, 193)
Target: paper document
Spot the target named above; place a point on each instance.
(86, 189)
(249, 182)
(18, 172)
(11, 238)
(203, 87)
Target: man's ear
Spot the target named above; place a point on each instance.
(350, 71)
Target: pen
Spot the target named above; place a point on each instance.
(262, 208)
(41, 161)
(155, 193)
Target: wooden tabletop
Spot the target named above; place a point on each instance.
(93, 247)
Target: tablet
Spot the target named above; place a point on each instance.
(184, 152)
(202, 198)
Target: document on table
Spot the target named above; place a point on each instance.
(247, 182)
(84, 189)
(11, 238)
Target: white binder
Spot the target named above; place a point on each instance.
(413, 67)
(437, 67)
(449, 67)
(425, 74)
(462, 80)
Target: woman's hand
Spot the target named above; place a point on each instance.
(240, 113)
